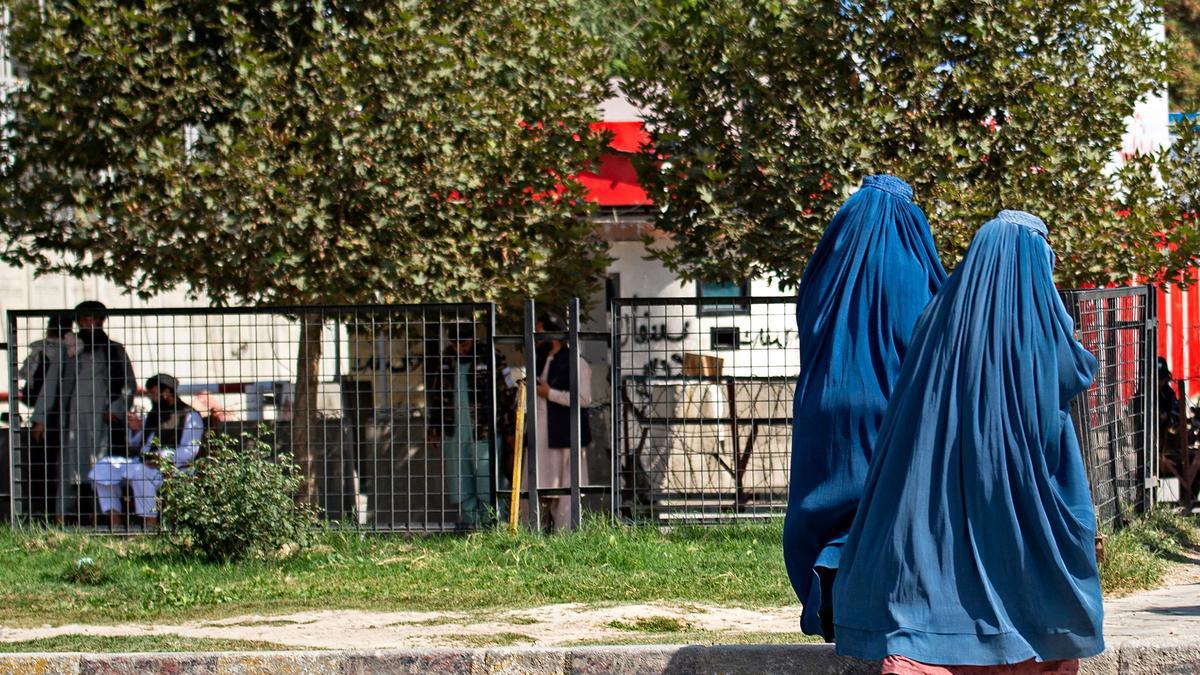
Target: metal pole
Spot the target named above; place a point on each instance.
(531, 424)
(614, 405)
(1111, 399)
(576, 440)
(494, 441)
(12, 419)
(1150, 413)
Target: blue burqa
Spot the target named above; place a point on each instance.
(873, 272)
(974, 543)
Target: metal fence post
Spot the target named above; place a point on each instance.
(614, 378)
(576, 439)
(531, 416)
(492, 412)
(1150, 383)
(1112, 400)
(13, 422)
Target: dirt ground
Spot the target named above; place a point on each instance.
(551, 625)
(1164, 612)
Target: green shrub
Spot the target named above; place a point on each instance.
(237, 501)
(1138, 556)
(86, 572)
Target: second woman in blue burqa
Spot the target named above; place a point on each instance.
(974, 540)
(873, 272)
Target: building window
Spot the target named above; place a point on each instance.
(612, 290)
(723, 338)
(724, 298)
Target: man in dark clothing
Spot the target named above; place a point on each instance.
(48, 373)
(99, 402)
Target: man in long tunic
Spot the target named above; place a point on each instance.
(104, 387)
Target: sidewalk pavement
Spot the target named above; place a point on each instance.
(1151, 632)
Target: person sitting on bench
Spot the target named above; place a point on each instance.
(170, 432)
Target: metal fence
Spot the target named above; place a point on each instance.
(702, 391)
(1115, 417)
(397, 433)
(411, 423)
(703, 388)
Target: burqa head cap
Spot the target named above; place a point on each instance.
(1024, 219)
(890, 184)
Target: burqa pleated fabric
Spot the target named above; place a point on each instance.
(974, 542)
(873, 272)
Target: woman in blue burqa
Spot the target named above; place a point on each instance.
(871, 275)
(974, 543)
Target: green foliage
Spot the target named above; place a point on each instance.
(618, 23)
(1138, 556)
(766, 114)
(304, 151)
(85, 571)
(1183, 34)
(239, 501)
(738, 565)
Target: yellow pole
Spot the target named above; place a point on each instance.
(514, 506)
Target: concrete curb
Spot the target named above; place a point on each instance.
(1134, 657)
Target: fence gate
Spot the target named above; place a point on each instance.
(405, 424)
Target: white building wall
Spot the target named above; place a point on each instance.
(655, 339)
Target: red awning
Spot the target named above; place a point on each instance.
(615, 182)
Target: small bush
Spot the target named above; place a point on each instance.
(86, 572)
(1138, 556)
(237, 502)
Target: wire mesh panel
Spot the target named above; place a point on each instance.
(389, 411)
(703, 397)
(1113, 417)
(703, 391)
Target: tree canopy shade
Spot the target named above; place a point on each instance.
(303, 151)
(765, 113)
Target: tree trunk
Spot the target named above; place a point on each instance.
(304, 408)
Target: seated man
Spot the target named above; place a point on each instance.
(171, 432)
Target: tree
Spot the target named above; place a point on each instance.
(617, 23)
(765, 114)
(304, 151)
(1183, 33)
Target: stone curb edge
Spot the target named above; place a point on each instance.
(1133, 657)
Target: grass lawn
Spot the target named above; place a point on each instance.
(137, 643)
(139, 579)
(1138, 556)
